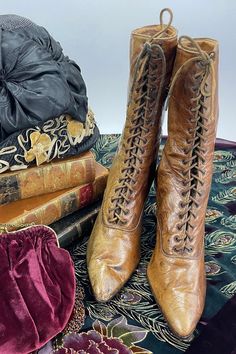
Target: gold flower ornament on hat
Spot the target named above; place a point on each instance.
(76, 130)
(40, 145)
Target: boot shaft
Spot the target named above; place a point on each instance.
(185, 172)
(153, 34)
(152, 53)
(193, 99)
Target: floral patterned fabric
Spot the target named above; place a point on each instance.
(132, 322)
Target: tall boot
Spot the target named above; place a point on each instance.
(114, 245)
(176, 271)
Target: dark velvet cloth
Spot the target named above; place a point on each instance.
(219, 335)
(37, 81)
(37, 283)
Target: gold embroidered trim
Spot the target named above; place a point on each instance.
(51, 141)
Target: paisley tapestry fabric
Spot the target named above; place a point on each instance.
(132, 322)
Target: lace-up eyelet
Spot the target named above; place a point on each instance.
(212, 55)
(177, 239)
(201, 63)
(189, 250)
(194, 91)
(182, 205)
(184, 162)
(193, 121)
(175, 249)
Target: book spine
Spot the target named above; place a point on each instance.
(77, 230)
(63, 205)
(45, 179)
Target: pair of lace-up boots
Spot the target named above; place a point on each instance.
(185, 72)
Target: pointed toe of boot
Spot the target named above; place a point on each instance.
(182, 321)
(104, 280)
(182, 311)
(112, 256)
(178, 291)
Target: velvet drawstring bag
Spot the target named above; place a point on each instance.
(37, 289)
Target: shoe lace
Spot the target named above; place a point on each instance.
(145, 84)
(194, 164)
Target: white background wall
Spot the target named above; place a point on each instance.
(96, 34)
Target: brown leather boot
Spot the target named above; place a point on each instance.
(114, 246)
(176, 271)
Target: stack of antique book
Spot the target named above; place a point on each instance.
(53, 194)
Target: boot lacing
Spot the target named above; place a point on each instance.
(193, 165)
(147, 94)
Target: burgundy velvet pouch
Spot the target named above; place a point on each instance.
(37, 289)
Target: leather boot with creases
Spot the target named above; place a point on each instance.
(176, 271)
(114, 245)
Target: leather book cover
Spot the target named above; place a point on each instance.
(51, 207)
(77, 225)
(47, 178)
